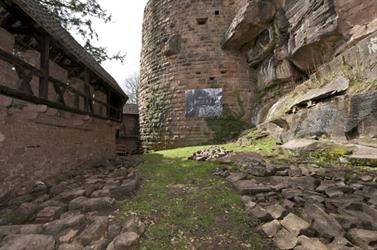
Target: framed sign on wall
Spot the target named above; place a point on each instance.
(203, 103)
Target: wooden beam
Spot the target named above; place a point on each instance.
(44, 43)
(88, 97)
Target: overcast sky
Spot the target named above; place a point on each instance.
(122, 34)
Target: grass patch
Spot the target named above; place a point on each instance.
(186, 207)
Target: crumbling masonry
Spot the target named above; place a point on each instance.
(235, 58)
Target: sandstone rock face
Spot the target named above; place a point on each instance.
(313, 32)
(262, 50)
(249, 22)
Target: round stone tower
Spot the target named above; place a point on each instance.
(190, 86)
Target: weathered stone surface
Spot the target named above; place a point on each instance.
(247, 187)
(341, 243)
(313, 32)
(295, 224)
(48, 214)
(301, 145)
(72, 194)
(276, 211)
(249, 22)
(5, 101)
(101, 193)
(25, 211)
(114, 229)
(20, 229)
(366, 239)
(306, 243)
(91, 204)
(134, 225)
(124, 241)
(285, 240)
(95, 231)
(69, 236)
(335, 87)
(261, 214)
(125, 190)
(234, 177)
(172, 46)
(72, 246)
(28, 242)
(71, 221)
(271, 228)
(323, 223)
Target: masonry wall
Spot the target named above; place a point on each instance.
(255, 50)
(181, 51)
(38, 142)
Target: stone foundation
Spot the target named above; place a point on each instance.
(37, 142)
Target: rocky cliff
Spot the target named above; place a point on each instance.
(298, 68)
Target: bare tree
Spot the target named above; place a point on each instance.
(131, 87)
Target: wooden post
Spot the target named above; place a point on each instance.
(108, 110)
(44, 43)
(88, 98)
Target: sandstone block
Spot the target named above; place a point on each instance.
(271, 228)
(28, 241)
(295, 224)
(91, 204)
(94, 231)
(124, 241)
(249, 22)
(285, 240)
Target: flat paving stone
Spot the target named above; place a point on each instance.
(28, 242)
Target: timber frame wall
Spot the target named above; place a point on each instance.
(29, 36)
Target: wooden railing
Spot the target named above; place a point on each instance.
(23, 91)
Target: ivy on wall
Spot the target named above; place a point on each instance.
(155, 115)
(227, 127)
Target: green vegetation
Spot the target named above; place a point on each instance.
(156, 111)
(227, 127)
(186, 207)
(326, 154)
(362, 86)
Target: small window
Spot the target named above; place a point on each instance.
(217, 12)
(202, 21)
(212, 78)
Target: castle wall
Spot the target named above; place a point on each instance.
(38, 142)
(255, 50)
(182, 51)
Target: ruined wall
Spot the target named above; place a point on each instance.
(181, 51)
(38, 142)
(261, 49)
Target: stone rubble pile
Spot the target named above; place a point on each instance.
(305, 206)
(77, 212)
(209, 153)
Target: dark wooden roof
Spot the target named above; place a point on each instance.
(60, 36)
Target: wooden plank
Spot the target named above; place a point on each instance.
(27, 95)
(37, 100)
(44, 43)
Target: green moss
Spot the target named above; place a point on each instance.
(362, 86)
(326, 155)
(157, 108)
(227, 127)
